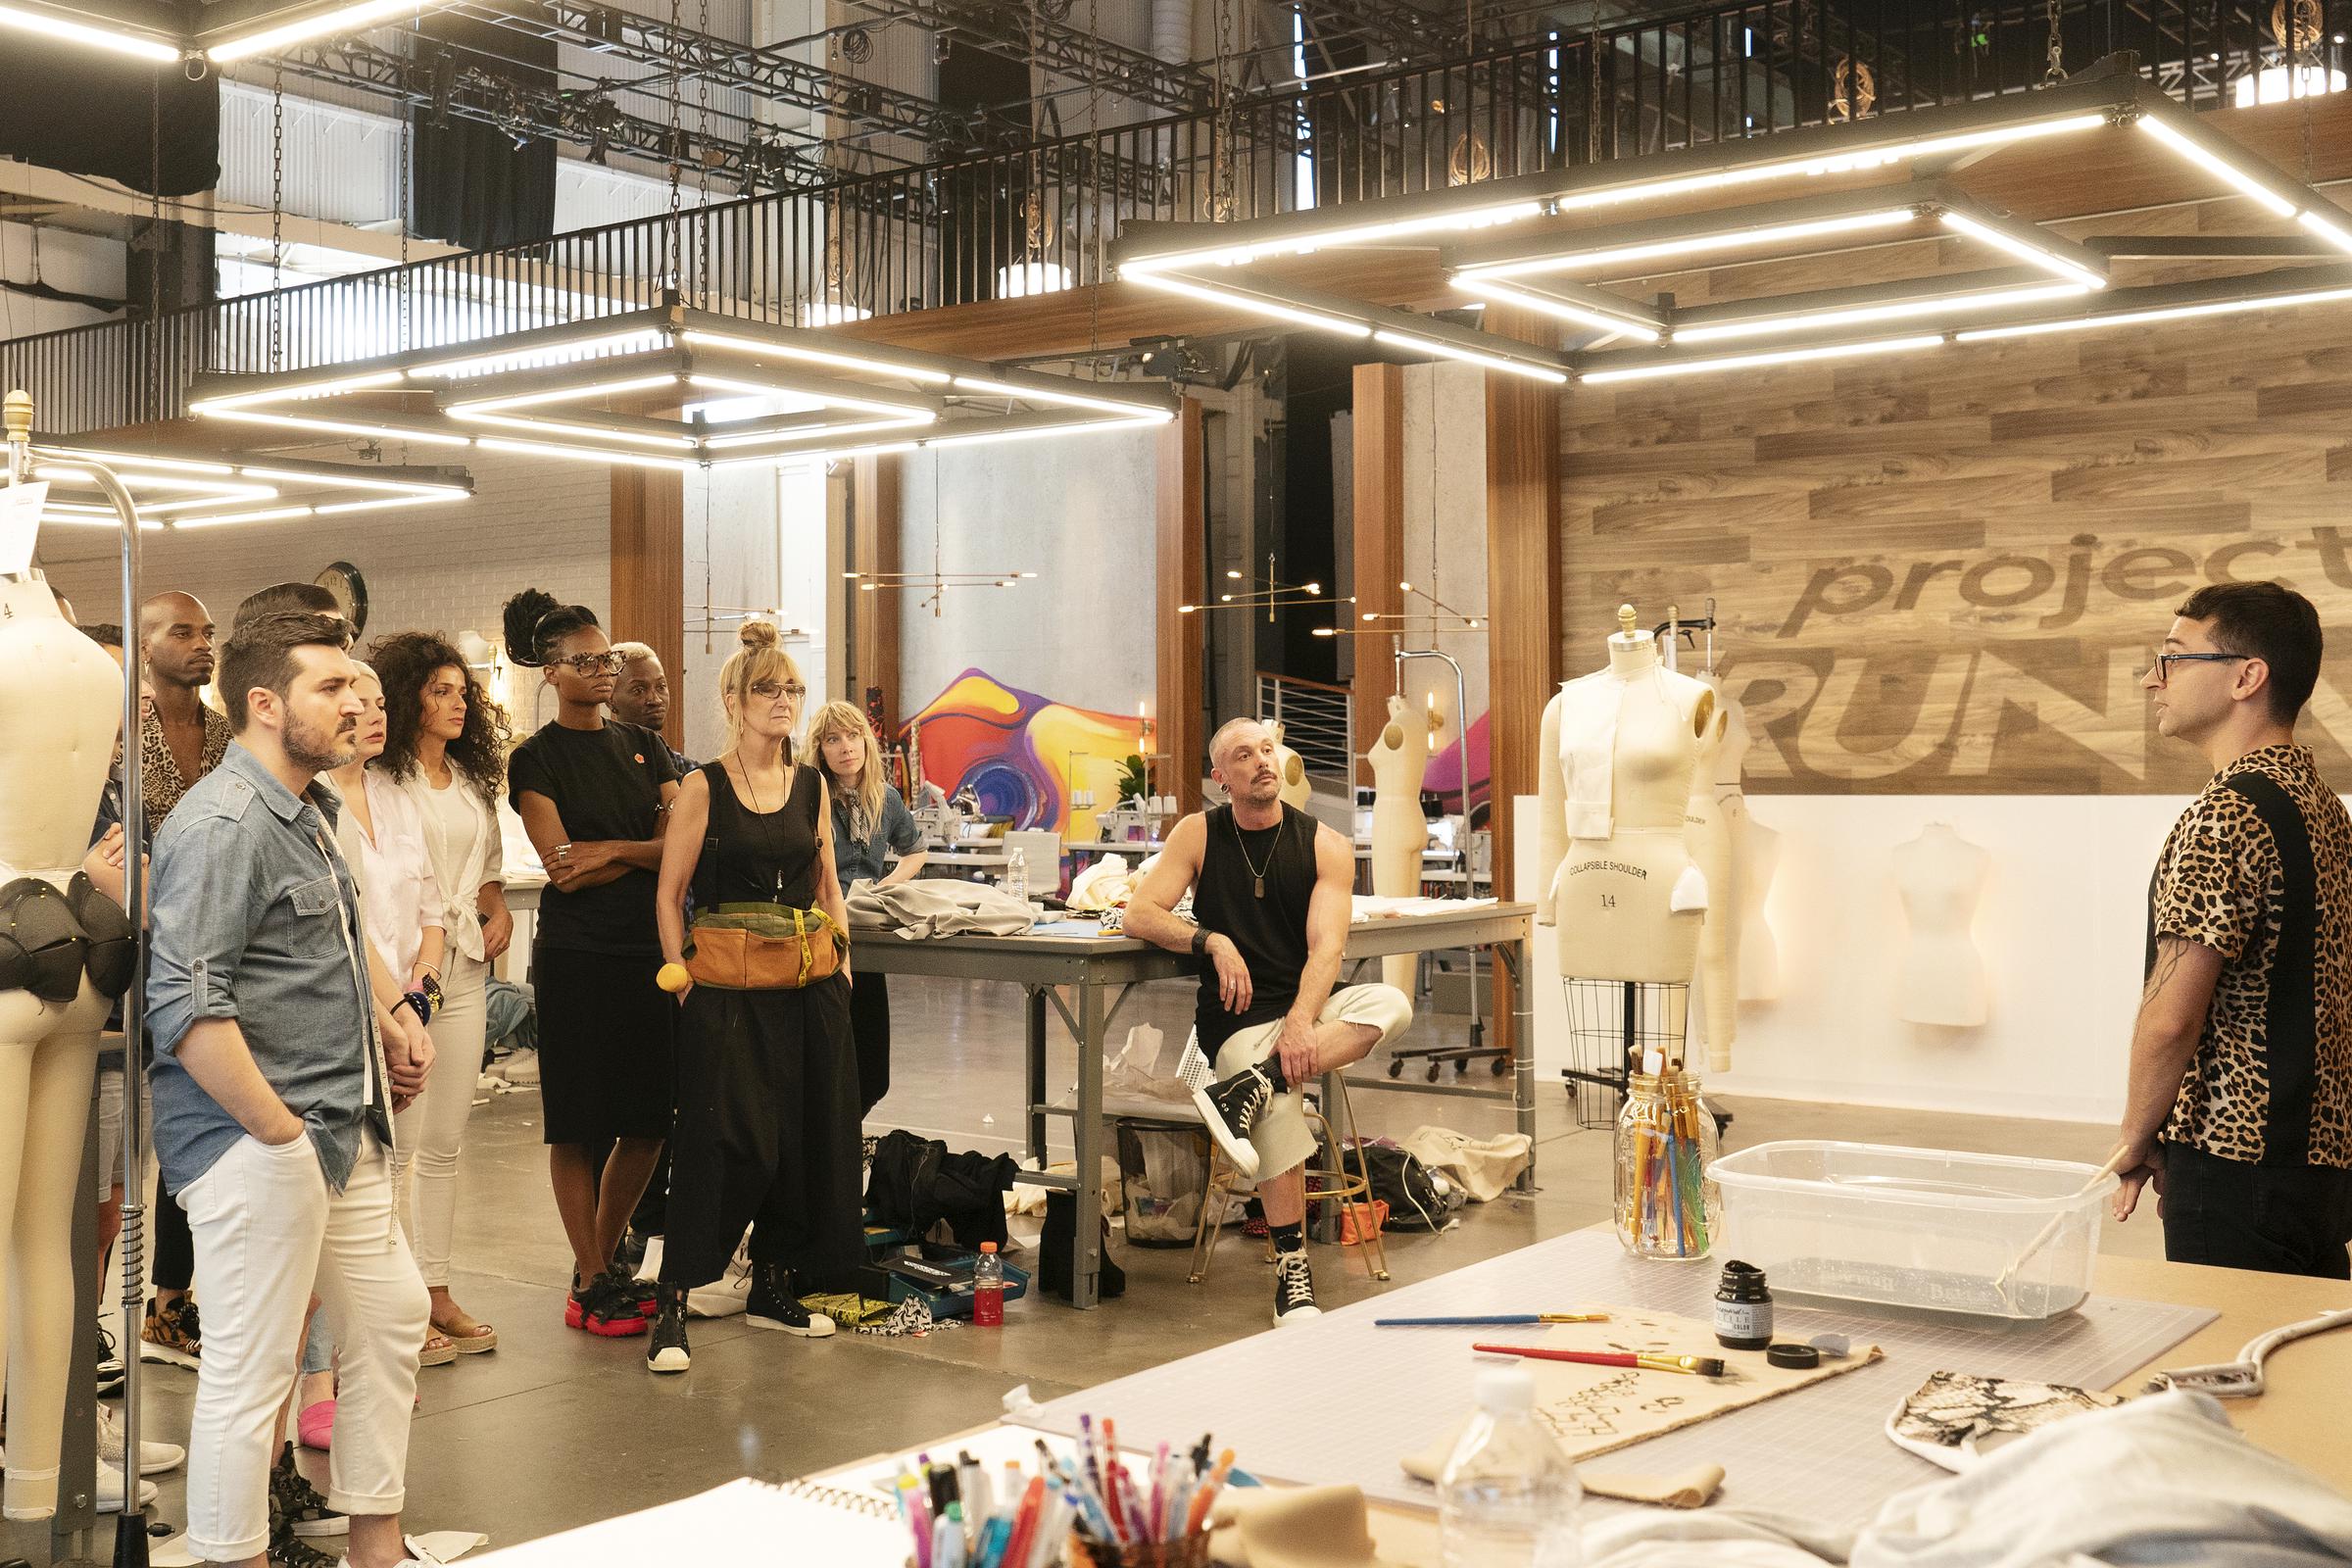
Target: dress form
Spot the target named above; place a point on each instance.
(60, 706)
(1629, 907)
(1399, 760)
(1941, 980)
(1759, 950)
(1714, 824)
(1297, 790)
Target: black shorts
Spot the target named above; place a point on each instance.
(606, 1057)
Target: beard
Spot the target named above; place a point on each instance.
(319, 748)
(1261, 791)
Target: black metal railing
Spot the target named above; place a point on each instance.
(977, 227)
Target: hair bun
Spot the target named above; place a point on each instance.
(522, 624)
(756, 635)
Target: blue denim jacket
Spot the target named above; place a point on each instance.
(855, 859)
(255, 917)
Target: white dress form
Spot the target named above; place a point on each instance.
(1941, 980)
(1759, 949)
(60, 705)
(1399, 760)
(1714, 824)
(1629, 907)
(1297, 790)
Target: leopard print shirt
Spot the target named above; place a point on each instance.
(2219, 883)
(159, 783)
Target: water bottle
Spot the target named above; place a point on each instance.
(1510, 1496)
(988, 1284)
(1016, 874)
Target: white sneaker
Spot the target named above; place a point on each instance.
(154, 1458)
(730, 1294)
(521, 1069)
(413, 1552)
(110, 1490)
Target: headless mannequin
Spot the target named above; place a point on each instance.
(61, 704)
(1295, 790)
(1399, 832)
(1760, 951)
(1624, 903)
(1941, 981)
(1716, 822)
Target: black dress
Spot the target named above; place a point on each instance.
(768, 1119)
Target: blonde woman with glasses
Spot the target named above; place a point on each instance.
(870, 823)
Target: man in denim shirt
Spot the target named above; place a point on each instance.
(274, 1081)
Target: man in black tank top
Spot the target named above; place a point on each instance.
(1272, 889)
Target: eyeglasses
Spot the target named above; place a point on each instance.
(768, 691)
(607, 664)
(2160, 664)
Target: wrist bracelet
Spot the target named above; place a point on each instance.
(1200, 943)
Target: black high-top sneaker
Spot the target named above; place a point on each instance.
(1294, 1288)
(666, 1349)
(1229, 1108)
(776, 1304)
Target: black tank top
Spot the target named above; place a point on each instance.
(757, 857)
(1271, 932)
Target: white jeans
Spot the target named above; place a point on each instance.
(1280, 1135)
(432, 1130)
(269, 1230)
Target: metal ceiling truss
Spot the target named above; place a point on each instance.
(1060, 48)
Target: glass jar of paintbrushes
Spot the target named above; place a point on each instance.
(1667, 1202)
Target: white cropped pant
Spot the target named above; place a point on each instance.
(1280, 1135)
(432, 1130)
(269, 1231)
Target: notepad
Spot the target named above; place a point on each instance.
(739, 1522)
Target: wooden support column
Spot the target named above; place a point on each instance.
(875, 547)
(1181, 578)
(1523, 591)
(649, 575)
(1379, 527)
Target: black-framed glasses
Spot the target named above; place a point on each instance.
(768, 691)
(604, 664)
(2161, 664)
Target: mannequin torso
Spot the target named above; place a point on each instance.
(1760, 951)
(1629, 905)
(1295, 789)
(1715, 819)
(1941, 981)
(1399, 759)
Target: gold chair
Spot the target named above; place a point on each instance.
(1349, 1189)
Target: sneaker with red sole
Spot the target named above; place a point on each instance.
(605, 1305)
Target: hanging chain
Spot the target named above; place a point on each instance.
(1593, 99)
(677, 92)
(277, 212)
(1221, 196)
(2308, 65)
(702, 220)
(2057, 67)
(155, 242)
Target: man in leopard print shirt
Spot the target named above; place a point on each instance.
(2240, 1102)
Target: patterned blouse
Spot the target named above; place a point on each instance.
(159, 783)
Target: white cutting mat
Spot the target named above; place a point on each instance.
(1337, 1400)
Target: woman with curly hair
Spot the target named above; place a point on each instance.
(445, 745)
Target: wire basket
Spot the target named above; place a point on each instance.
(1611, 1025)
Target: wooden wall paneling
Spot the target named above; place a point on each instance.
(876, 546)
(1181, 578)
(1379, 543)
(649, 572)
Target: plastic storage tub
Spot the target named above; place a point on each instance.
(1921, 1228)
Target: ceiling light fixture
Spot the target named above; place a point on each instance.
(844, 358)
(2333, 233)
(1856, 315)
(344, 18)
(2245, 182)
(1418, 344)
(1740, 361)
(2002, 238)
(560, 394)
(1257, 304)
(52, 25)
(1584, 310)
(2127, 316)
(1698, 244)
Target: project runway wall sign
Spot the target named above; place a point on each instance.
(1944, 583)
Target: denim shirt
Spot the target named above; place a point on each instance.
(868, 860)
(255, 917)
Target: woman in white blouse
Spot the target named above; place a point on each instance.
(382, 839)
(446, 749)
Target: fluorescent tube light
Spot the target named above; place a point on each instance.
(471, 362)
(1252, 304)
(2164, 313)
(832, 400)
(813, 433)
(1894, 310)
(350, 481)
(265, 514)
(1741, 361)
(796, 351)
(556, 428)
(2001, 239)
(1470, 355)
(1566, 309)
(550, 449)
(1238, 255)
(2219, 168)
(1695, 244)
(567, 394)
(49, 25)
(298, 421)
(1124, 408)
(379, 505)
(1029, 433)
(345, 20)
(144, 461)
(324, 388)
(2333, 233)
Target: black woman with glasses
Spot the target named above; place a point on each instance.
(593, 793)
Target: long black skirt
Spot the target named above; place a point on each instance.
(766, 1135)
(869, 1026)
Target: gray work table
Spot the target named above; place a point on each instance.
(1100, 969)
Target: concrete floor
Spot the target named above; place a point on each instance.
(557, 1429)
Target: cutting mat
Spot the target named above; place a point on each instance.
(1337, 1400)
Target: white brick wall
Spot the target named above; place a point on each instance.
(532, 523)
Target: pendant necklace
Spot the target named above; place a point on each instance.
(1257, 873)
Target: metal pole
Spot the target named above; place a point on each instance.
(133, 1243)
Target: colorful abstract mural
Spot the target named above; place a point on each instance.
(1024, 757)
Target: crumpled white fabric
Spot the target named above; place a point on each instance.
(1689, 890)
(2156, 1481)
(939, 906)
(1483, 1167)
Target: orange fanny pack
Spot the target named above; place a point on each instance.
(764, 946)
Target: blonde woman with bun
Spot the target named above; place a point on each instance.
(870, 823)
(766, 1132)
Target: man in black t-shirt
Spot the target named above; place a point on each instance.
(1273, 891)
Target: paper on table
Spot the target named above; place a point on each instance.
(734, 1523)
(21, 523)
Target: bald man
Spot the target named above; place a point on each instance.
(180, 740)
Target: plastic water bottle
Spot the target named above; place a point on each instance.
(1016, 874)
(988, 1284)
(1510, 1496)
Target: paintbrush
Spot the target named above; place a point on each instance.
(1493, 1320)
(1703, 1366)
(2041, 1239)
